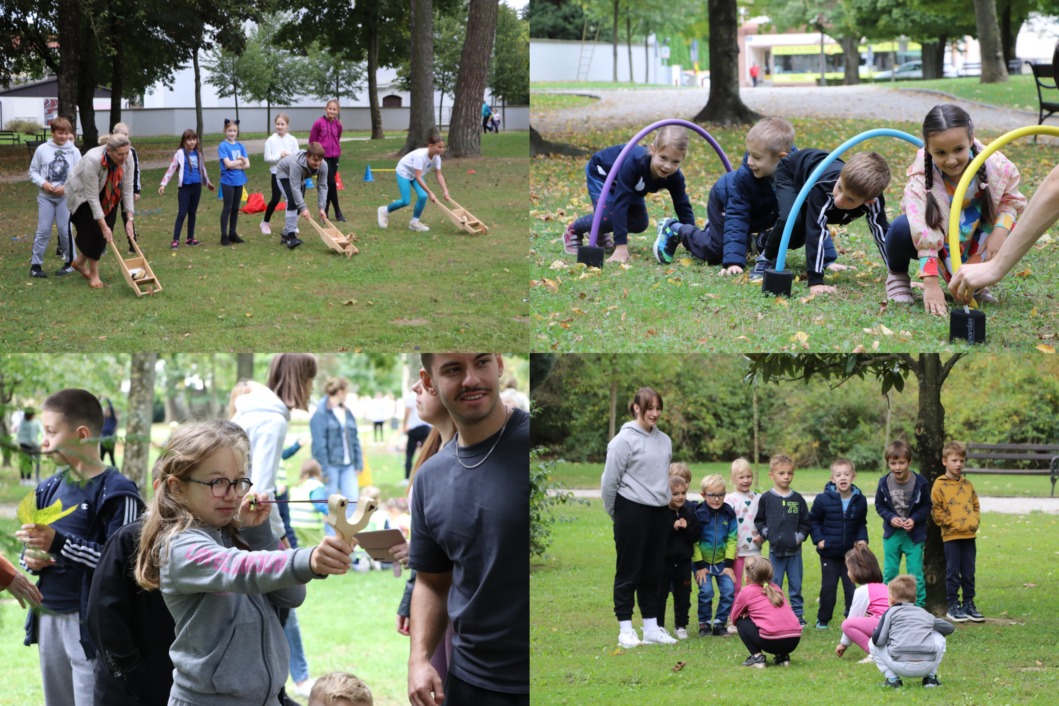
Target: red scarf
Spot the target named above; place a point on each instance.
(111, 195)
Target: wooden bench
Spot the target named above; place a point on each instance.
(983, 458)
(1047, 93)
(32, 145)
(12, 138)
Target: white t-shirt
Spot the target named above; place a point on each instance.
(413, 414)
(417, 160)
(275, 144)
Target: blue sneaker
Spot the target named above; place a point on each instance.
(972, 613)
(956, 613)
(821, 625)
(760, 265)
(667, 241)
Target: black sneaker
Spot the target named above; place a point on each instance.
(755, 661)
(930, 681)
(340, 218)
(234, 237)
(894, 683)
(293, 242)
(782, 660)
(956, 613)
(37, 271)
(720, 631)
(758, 273)
(225, 242)
(65, 270)
(972, 613)
(667, 241)
(704, 630)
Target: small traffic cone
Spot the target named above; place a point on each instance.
(367, 174)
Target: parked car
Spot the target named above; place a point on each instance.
(913, 69)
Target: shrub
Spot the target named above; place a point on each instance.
(545, 494)
(26, 127)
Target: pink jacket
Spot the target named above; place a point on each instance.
(327, 133)
(773, 623)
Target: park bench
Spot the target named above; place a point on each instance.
(1047, 93)
(10, 137)
(983, 458)
(32, 145)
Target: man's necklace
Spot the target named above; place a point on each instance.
(490, 452)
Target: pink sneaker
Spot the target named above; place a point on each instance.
(571, 240)
(266, 229)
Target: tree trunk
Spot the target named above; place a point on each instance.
(628, 41)
(934, 58)
(198, 92)
(851, 58)
(244, 366)
(138, 426)
(646, 58)
(70, 34)
(614, 45)
(86, 89)
(465, 125)
(725, 106)
(757, 438)
(1007, 37)
(540, 146)
(373, 82)
(993, 68)
(117, 82)
(421, 123)
(441, 108)
(7, 393)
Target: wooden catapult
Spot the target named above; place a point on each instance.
(137, 271)
(334, 239)
(463, 219)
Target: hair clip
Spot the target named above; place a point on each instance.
(228, 122)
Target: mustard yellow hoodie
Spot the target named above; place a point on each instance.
(955, 508)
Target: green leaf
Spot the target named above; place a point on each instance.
(29, 514)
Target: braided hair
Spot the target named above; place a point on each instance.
(941, 118)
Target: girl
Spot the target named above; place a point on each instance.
(410, 171)
(870, 600)
(744, 501)
(219, 570)
(123, 129)
(327, 130)
(635, 491)
(991, 205)
(645, 170)
(278, 146)
(336, 446)
(234, 163)
(189, 164)
(765, 621)
(49, 170)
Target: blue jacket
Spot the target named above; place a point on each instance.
(633, 181)
(838, 530)
(746, 205)
(919, 513)
(718, 536)
(327, 438)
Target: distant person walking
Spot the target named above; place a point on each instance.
(327, 130)
(755, 72)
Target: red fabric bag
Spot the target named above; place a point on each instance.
(254, 204)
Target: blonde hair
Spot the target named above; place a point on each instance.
(282, 116)
(333, 686)
(114, 142)
(738, 466)
(168, 513)
(677, 480)
(780, 460)
(122, 128)
(954, 447)
(674, 136)
(759, 572)
(866, 175)
(681, 470)
(714, 480)
(241, 388)
(903, 588)
(840, 461)
(776, 133)
(335, 385)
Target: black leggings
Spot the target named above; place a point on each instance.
(332, 190)
(230, 212)
(188, 205)
(751, 637)
(640, 543)
(277, 194)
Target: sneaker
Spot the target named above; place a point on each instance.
(720, 631)
(801, 621)
(417, 225)
(571, 240)
(234, 237)
(384, 216)
(782, 660)
(930, 681)
(340, 218)
(657, 636)
(132, 248)
(956, 613)
(191, 242)
(176, 244)
(821, 625)
(628, 639)
(757, 243)
(704, 630)
(65, 270)
(760, 265)
(304, 689)
(755, 661)
(266, 229)
(37, 271)
(682, 634)
(870, 659)
(293, 242)
(894, 683)
(666, 243)
(972, 613)
(225, 242)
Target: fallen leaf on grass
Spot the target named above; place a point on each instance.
(618, 651)
(577, 311)
(780, 301)
(686, 262)
(1045, 348)
(885, 331)
(349, 302)
(680, 665)
(860, 349)
(559, 265)
(1029, 585)
(1025, 273)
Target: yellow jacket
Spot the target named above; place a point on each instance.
(955, 508)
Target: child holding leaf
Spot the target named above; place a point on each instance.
(65, 523)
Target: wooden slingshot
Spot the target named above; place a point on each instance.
(336, 516)
(334, 239)
(463, 219)
(137, 272)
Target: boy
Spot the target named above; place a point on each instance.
(783, 521)
(65, 553)
(742, 202)
(842, 194)
(908, 641)
(679, 547)
(956, 513)
(307, 518)
(340, 689)
(714, 555)
(838, 521)
(903, 502)
(681, 470)
(291, 173)
(51, 166)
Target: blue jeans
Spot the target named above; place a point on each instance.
(299, 668)
(406, 186)
(792, 567)
(342, 480)
(725, 586)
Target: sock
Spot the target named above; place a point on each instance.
(625, 625)
(650, 623)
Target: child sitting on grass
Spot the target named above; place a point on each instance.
(765, 621)
(909, 641)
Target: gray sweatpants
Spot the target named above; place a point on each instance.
(52, 211)
(892, 668)
(69, 676)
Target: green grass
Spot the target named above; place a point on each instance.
(602, 85)
(812, 480)
(685, 306)
(1018, 93)
(575, 661)
(559, 101)
(402, 290)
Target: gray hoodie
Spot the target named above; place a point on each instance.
(230, 649)
(296, 168)
(637, 467)
(265, 418)
(52, 163)
(906, 629)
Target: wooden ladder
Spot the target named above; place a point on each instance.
(464, 219)
(137, 271)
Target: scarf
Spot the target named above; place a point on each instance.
(111, 195)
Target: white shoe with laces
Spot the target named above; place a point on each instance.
(682, 634)
(417, 225)
(657, 636)
(266, 229)
(870, 659)
(304, 689)
(628, 639)
(384, 216)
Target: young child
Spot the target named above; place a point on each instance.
(645, 170)
(327, 131)
(956, 513)
(51, 166)
(903, 502)
(65, 553)
(838, 521)
(681, 470)
(280, 144)
(189, 164)
(216, 562)
(682, 538)
(410, 171)
(870, 600)
(291, 172)
(340, 689)
(742, 203)
(842, 194)
(991, 205)
(909, 641)
(307, 518)
(764, 620)
(783, 521)
(29, 433)
(744, 501)
(134, 159)
(234, 163)
(714, 555)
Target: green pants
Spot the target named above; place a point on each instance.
(894, 546)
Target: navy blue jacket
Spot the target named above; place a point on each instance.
(746, 205)
(633, 181)
(680, 542)
(838, 530)
(919, 513)
(783, 522)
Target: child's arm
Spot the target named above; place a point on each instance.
(761, 520)
(737, 211)
(882, 507)
(681, 202)
(618, 454)
(803, 519)
(921, 510)
(116, 512)
(816, 521)
(881, 635)
(878, 225)
(977, 510)
(38, 170)
(444, 186)
(814, 211)
(273, 149)
(173, 166)
(944, 626)
(18, 585)
(698, 563)
(939, 511)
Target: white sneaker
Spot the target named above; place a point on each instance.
(266, 229)
(657, 636)
(628, 639)
(682, 634)
(384, 216)
(870, 659)
(304, 689)
(416, 224)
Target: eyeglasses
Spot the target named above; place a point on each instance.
(715, 495)
(219, 487)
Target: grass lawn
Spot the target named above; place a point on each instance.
(1018, 93)
(559, 101)
(601, 85)
(404, 289)
(644, 306)
(1008, 659)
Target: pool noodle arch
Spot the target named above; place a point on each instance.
(597, 217)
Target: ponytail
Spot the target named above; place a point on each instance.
(983, 185)
(933, 209)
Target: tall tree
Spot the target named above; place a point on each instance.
(993, 67)
(465, 127)
(421, 123)
(225, 74)
(266, 67)
(725, 106)
(135, 463)
(509, 71)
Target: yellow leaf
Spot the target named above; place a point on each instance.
(550, 284)
(801, 337)
(1045, 348)
(29, 514)
(885, 331)
(559, 265)
(780, 301)
(686, 262)
(1033, 311)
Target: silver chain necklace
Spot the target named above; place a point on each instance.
(490, 452)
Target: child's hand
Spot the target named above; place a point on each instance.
(161, 189)
(820, 544)
(59, 190)
(402, 625)
(24, 590)
(254, 510)
(331, 557)
(399, 552)
(839, 267)
(898, 522)
(210, 186)
(304, 213)
(994, 242)
(730, 573)
(36, 564)
(861, 543)
(447, 197)
(840, 649)
(700, 576)
(758, 539)
(933, 299)
(323, 215)
(731, 270)
(680, 524)
(36, 536)
(822, 289)
(909, 524)
(433, 197)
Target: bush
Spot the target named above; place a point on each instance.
(26, 127)
(545, 494)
